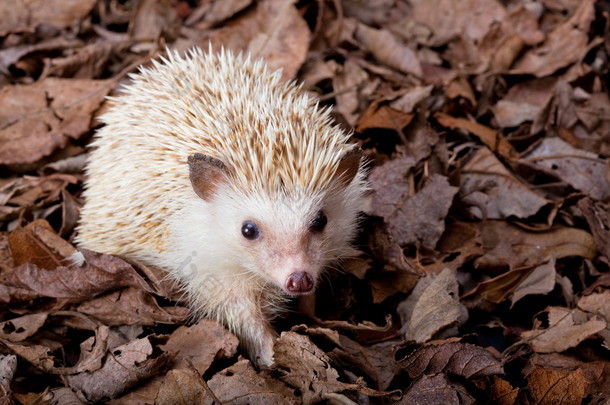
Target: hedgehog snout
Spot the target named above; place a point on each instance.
(299, 282)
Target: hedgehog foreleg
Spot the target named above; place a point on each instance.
(240, 311)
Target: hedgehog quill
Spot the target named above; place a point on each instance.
(214, 159)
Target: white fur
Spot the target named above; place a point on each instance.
(283, 151)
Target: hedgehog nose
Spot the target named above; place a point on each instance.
(299, 282)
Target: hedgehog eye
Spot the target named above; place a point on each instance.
(319, 222)
(250, 230)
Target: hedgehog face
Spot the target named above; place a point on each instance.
(281, 238)
(286, 238)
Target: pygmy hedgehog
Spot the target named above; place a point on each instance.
(236, 183)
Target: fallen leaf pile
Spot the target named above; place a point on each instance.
(484, 266)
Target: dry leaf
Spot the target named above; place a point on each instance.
(99, 274)
(123, 368)
(284, 41)
(215, 12)
(307, 368)
(349, 354)
(435, 389)
(21, 328)
(241, 384)
(448, 19)
(540, 281)
(598, 304)
(462, 359)
(389, 50)
(566, 329)
(556, 387)
(201, 344)
(8, 366)
(346, 83)
(564, 45)
(432, 306)
(508, 245)
(382, 116)
(418, 219)
(487, 185)
(150, 18)
(595, 372)
(24, 16)
(502, 393)
(132, 306)
(494, 141)
(524, 102)
(181, 386)
(584, 171)
(39, 118)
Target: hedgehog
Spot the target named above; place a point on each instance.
(236, 183)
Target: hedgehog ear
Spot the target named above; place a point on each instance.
(348, 166)
(206, 173)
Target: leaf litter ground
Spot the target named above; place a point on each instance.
(483, 273)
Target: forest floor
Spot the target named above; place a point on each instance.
(484, 267)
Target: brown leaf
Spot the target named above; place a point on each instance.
(566, 329)
(596, 373)
(502, 393)
(461, 242)
(347, 84)
(181, 384)
(556, 387)
(99, 274)
(462, 359)
(389, 50)
(150, 18)
(494, 192)
(387, 283)
(386, 249)
(124, 367)
(494, 141)
(432, 306)
(435, 389)
(584, 171)
(39, 245)
(349, 354)
(132, 306)
(512, 246)
(417, 219)
(240, 383)
(448, 19)
(87, 61)
(411, 98)
(206, 14)
(285, 37)
(21, 328)
(275, 31)
(307, 368)
(37, 355)
(598, 304)
(499, 288)
(26, 16)
(461, 88)
(31, 193)
(8, 366)
(201, 344)
(390, 184)
(524, 102)
(564, 45)
(41, 117)
(540, 281)
(384, 117)
(421, 218)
